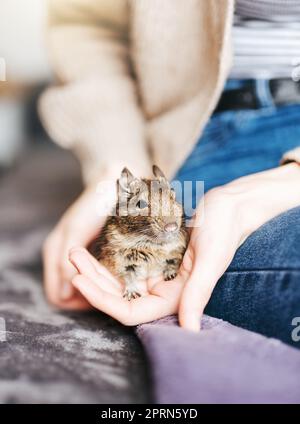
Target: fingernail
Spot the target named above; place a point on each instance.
(67, 291)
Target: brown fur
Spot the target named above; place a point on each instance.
(137, 246)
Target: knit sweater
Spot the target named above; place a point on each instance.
(139, 79)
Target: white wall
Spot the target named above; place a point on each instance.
(22, 40)
(23, 47)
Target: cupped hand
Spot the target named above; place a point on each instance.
(103, 291)
(80, 224)
(231, 213)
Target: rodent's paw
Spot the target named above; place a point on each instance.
(131, 293)
(169, 275)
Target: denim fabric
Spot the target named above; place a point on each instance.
(261, 289)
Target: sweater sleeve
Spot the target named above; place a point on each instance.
(94, 110)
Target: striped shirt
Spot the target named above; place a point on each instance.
(266, 39)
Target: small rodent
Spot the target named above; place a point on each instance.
(147, 235)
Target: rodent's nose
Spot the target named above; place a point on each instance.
(172, 226)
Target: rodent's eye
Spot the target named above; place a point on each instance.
(142, 204)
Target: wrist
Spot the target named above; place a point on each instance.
(262, 196)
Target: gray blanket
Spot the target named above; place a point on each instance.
(51, 356)
(48, 356)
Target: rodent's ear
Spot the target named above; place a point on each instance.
(158, 173)
(128, 182)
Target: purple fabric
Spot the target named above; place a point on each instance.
(221, 364)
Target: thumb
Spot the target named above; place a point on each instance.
(208, 267)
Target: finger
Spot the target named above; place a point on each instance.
(66, 289)
(70, 232)
(66, 270)
(187, 263)
(88, 265)
(83, 262)
(77, 232)
(59, 290)
(209, 265)
(52, 283)
(143, 309)
(113, 305)
(73, 237)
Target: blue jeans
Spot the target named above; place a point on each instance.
(260, 291)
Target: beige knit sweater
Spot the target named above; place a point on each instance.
(139, 79)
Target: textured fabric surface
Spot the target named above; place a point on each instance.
(51, 356)
(222, 364)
